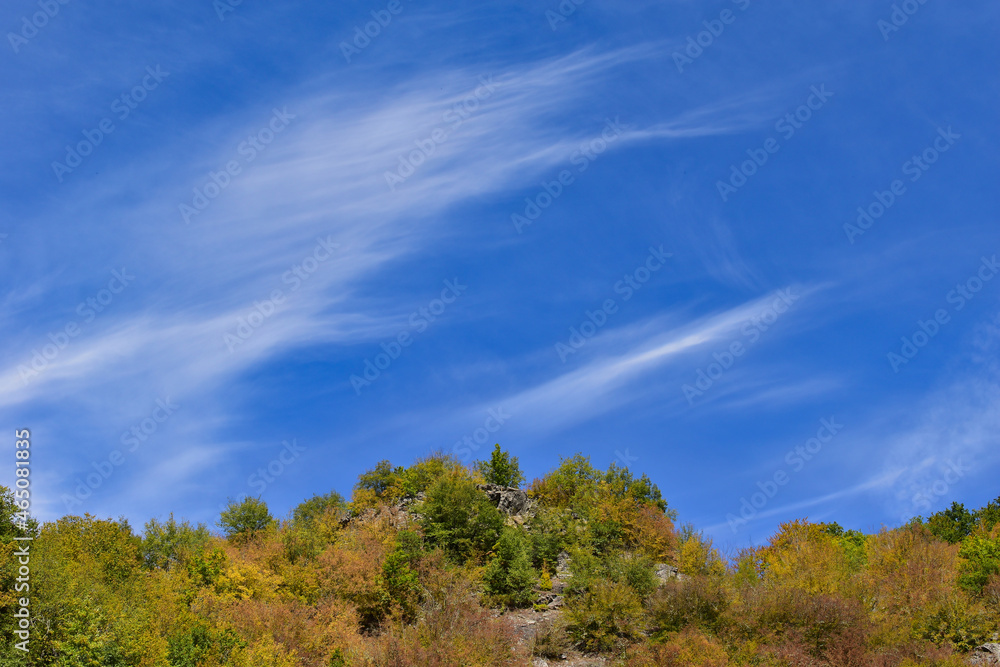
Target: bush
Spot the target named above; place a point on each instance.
(635, 571)
(452, 630)
(606, 616)
(698, 601)
(957, 624)
(460, 519)
(509, 579)
(551, 640)
(689, 648)
(803, 625)
(401, 585)
(199, 645)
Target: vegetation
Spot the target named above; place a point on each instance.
(421, 568)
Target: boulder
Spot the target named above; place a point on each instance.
(508, 499)
(987, 654)
(666, 572)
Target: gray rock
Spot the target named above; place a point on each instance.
(987, 654)
(508, 499)
(562, 565)
(666, 572)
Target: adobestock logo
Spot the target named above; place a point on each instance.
(135, 436)
(60, 340)
(714, 28)
(787, 126)
(419, 321)
(248, 149)
(724, 360)
(796, 459)
(627, 287)
(460, 112)
(963, 293)
(30, 28)
(469, 444)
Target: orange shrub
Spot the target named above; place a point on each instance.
(689, 648)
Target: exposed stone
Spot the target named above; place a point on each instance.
(987, 654)
(666, 572)
(562, 565)
(508, 499)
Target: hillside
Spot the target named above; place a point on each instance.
(439, 564)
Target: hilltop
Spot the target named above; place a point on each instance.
(440, 564)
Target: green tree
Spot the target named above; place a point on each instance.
(501, 468)
(168, 543)
(623, 484)
(402, 587)
(381, 484)
(459, 518)
(989, 516)
(244, 519)
(307, 512)
(953, 524)
(509, 578)
(980, 558)
(425, 472)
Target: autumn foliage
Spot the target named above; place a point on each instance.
(419, 567)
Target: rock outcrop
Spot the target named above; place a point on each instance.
(508, 499)
(987, 654)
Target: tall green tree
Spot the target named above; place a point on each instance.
(509, 578)
(501, 468)
(244, 519)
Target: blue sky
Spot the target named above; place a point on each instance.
(629, 230)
